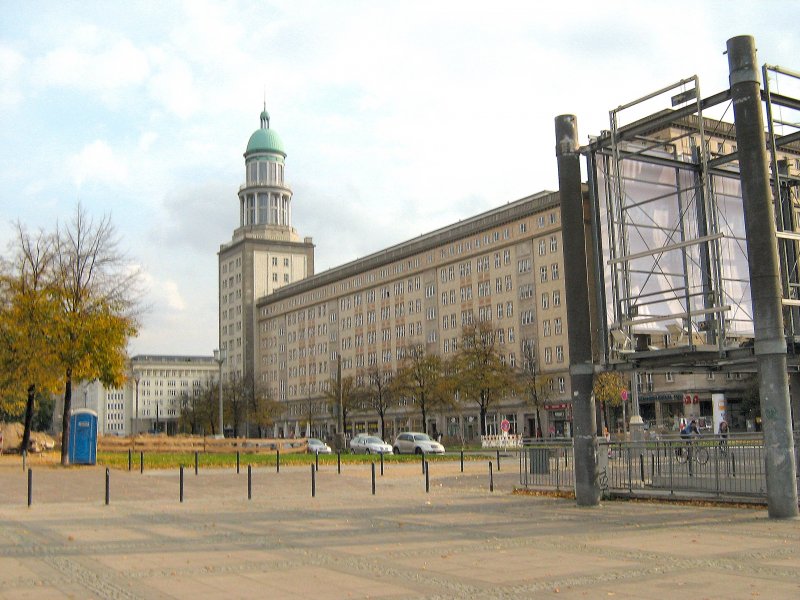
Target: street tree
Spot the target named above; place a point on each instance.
(264, 409)
(351, 398)
(536, 385)
(482, 375)
(380, 393)
(608, 387)
(28, 307)
(420, 377)
(199, 409)
(98, 292)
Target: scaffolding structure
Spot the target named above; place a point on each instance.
(671, 267)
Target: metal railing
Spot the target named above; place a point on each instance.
(710, 467)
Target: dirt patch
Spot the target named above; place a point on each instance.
(11, 434)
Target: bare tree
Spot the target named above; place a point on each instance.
(380, 393)
(350, 398)
(537, 385)
(98, 294)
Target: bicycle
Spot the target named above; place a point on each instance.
(698, 454)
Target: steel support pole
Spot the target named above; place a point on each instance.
(575, 216)
(765, 285)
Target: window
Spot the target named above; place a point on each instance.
(542, 248)
(542, 274)
(556, 297)
(506, 257)
(546, 328)
(524, 265)
(274, 277)
(545, 301)
(548, 356)
(562, 387)
(557, 326)
(669, 376)
(509, 309)
(523, 227)
(560, 354)
(286, 278)
(553, 243)
(554, 271)
(285, 262)
(274, 261)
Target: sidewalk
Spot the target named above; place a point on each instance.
(458, 541)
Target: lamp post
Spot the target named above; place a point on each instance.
(220, 356)
(136, 417)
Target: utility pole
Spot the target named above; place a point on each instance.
(765, 284)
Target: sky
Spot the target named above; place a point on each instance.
(398, 117)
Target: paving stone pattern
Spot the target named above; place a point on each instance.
(458, 541)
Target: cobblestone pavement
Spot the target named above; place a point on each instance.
(458, 541)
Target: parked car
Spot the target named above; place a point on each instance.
(369, 445)
(316, 446)
(357, 437)
(412, 442)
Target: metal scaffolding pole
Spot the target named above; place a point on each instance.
(574, 217)
(765, 284)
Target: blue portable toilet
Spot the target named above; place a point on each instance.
(83, 437)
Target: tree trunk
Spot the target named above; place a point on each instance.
(424, 416)
(538, 432)
(483, 419)
(65, 419)
(383, 427)
(26, 435)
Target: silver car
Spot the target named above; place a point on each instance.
(413, 442)
(316, 446)
(369, 445)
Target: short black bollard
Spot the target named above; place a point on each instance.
(237, 462)
(381, 464)
(278, 460)
(313, 481)
(249, 482)
(422, 461)
(30, 486)
(107, 486)
(196, 460)
(373, 478)
(129, 459)
(316, 461)
(491, 478)
(141, 462)
(498, 461)
(462, 461)
(181, 483)
(427, 477)
(339, 461)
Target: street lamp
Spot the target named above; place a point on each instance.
(220, 356)
(136, 378)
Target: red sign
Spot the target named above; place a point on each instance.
(624, 395)
(505, 425)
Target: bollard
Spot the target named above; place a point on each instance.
(181, 486)
(733, 465)
(339, 461)
(313, 481)
(373, 478)
(491, 478)
(422, 461)
(129, 459)
(641, 467)
(195, 462)
(381, 464)
(30, 487)
(278, 460)
(498, 461)
(249, 482)
(107, 486)
(316, 461)
(141, 461)
(427, 478)
(237, 462)
(462, 460)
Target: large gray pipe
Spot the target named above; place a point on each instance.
(576, 284)
(765, 287)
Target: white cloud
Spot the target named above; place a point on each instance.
(97, 162)
(172, 295)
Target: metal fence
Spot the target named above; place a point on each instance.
(706, 467)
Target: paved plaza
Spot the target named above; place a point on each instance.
(458, 541)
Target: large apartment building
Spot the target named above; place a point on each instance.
(503, 266)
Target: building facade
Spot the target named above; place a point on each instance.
(503, 266)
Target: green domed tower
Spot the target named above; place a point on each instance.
(265, 253)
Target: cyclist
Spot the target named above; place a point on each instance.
(723, 436)
(687, 433)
